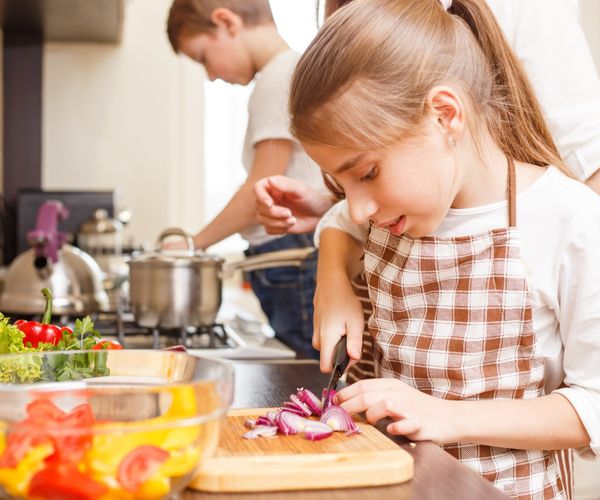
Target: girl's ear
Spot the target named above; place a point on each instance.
(448, 111)
(226, 18)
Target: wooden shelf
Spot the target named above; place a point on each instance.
(98, 21)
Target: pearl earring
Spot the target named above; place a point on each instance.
(451, 141)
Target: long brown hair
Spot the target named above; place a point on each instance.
(363, 81)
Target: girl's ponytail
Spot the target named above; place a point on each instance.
(519, 126)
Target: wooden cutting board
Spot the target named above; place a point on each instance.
(286, 463)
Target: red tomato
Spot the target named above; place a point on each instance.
(107, 345)
(64, 482)
(44, 409)
(17, 445)
(140, 465)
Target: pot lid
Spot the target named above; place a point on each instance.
(101, 223)
(175, 258)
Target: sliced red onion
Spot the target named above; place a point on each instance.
(263, 421)
(261, 431)
(315, 430)
(338, 419)
(287, 406)
(250, 423)
(305, 409)
(289, 423)
(310, 400)
(327, 397)
(272, 415)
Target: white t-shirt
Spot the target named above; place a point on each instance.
(268, 118)
(559, 224)
(548, 40)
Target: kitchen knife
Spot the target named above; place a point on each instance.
(340, 361)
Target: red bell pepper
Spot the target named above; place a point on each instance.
(36, 332)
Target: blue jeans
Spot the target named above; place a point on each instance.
(286, 294)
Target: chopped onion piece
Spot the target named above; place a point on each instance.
(290, 423)
(263, 421)
(327, 397)
(310, 400)
(305, 409)
(250, 423)
(260, 431)
(287, 406)
(272, 415)
(338, 419)
(315, 431)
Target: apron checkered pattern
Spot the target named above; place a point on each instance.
(364, 368)
(452, 318)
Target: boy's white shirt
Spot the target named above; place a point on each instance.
(559, 225)
(268, 118)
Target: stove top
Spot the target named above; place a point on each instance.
(131, 336)
(236, 339)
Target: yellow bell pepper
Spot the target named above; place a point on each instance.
(180, 462)
(108, 450)
(16, 480)
(154, 488)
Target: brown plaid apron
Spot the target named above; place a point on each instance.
(452, 317)
(364, 368)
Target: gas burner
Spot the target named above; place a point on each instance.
(123, 328)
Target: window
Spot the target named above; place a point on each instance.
(226, 116)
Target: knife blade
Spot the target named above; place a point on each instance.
(340, 361)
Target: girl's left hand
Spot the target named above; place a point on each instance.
(417, 416)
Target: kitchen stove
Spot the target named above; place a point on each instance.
(237, 338)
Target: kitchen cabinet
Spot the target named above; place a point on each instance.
(437, 475)
(98, 21)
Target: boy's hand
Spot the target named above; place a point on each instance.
(417, 415)
(338, 312)
(286, 205)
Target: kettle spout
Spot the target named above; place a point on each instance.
(42, 264)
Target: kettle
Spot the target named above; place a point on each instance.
(72, 275)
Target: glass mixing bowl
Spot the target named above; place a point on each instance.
(138, 431)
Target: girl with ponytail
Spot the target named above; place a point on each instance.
(481, 252)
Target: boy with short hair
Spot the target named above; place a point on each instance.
(237, 41)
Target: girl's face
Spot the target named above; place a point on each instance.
(407, 187)
(222, 55)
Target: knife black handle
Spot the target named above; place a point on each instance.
(340, 356)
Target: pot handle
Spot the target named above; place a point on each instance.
(175, 231)
(279, 258)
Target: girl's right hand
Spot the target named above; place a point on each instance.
(338, 312)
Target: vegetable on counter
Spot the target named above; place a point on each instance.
(107, 345)
(34, 338)
(44, 332)
(292, 418)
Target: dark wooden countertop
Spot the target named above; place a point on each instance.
(437, 474)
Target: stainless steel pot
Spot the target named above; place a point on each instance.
(171, 290)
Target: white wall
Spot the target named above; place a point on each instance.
(130, 117)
